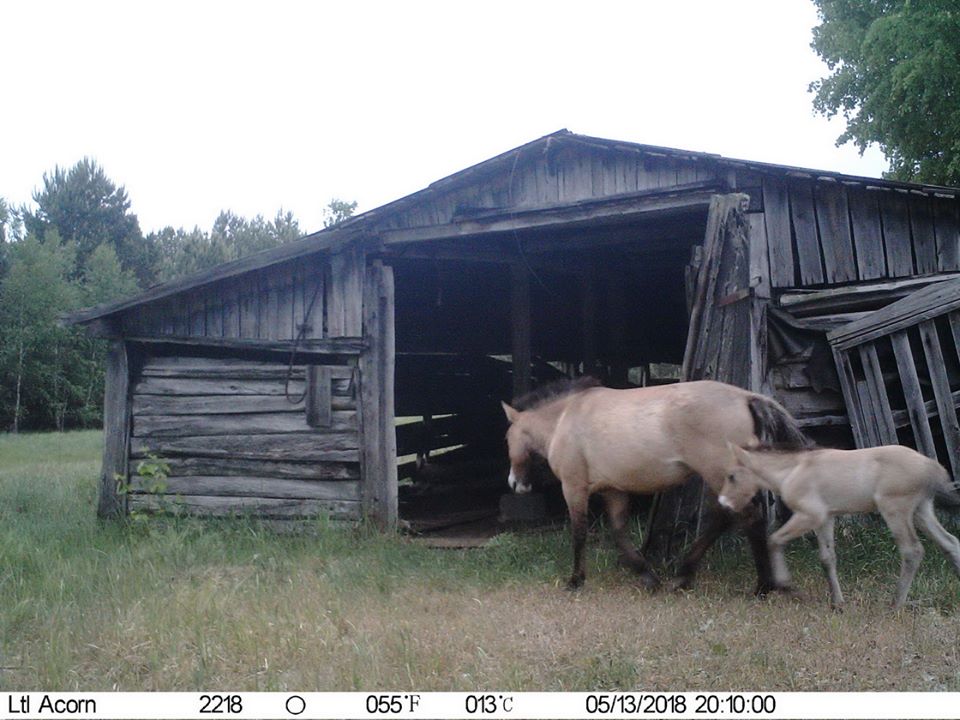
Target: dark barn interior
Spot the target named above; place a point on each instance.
(606, 299)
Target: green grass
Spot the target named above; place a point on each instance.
(179, 604)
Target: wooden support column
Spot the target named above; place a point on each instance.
(116, 432)
(520, 311)
(379, 436)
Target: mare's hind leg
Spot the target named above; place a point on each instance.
(935, 531)
(899, 518)
(618, 509)
(755, 528)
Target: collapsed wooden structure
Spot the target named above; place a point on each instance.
(274, 384)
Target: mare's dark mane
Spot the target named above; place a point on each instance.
(553, 391)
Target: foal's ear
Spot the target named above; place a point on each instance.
(739, 454)
(511, 414)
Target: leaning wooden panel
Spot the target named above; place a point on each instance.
(848, 384)
(913, 394)
(941, 392)
(883, 415)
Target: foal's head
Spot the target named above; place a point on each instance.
(741, 482)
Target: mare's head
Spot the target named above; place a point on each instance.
(530, 430)
(741, 482)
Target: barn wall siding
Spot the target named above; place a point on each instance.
(234, 443)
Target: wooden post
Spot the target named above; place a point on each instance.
(319, 400)
(520, 328)
(116, 432)
(379, 436)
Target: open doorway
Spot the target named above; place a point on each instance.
(607, 299)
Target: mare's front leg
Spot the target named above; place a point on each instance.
(577, 501)
(618, 511)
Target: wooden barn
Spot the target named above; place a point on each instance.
(319, 377)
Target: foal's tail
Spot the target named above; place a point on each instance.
(773, 425)
(942, 489)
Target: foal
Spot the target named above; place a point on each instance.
(820, 484)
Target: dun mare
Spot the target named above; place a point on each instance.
(643, 440)
(820, 484)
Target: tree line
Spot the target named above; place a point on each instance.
(79, 245)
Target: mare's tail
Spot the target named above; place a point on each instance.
(773, 425)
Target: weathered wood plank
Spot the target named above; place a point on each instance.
(833, 219)
(313, 296)
(897, 242)
(848, 383)
(214, 404)
(192, 466)
(867, 234)
(173, 426)
(340, 350)
(306, 447)
(924, 237)
(274, 508)
(882, 413)
(116, 424)
(941, 392)
(913, 394)
(805, 232)
(237, 486)
(227, 386)
(779, 236)
(319, 397)
(947, 230)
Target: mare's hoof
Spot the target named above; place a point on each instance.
(574, 583)
(649, 580)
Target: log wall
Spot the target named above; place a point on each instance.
(234, 442)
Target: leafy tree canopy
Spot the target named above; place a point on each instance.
(337, 211)
(895, 78)
(86, 208)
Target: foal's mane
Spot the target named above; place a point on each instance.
(554, 391)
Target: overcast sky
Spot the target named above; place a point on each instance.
(253, 106)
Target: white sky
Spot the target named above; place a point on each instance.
(252, 106)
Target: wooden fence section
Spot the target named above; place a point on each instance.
(822, 232)
(235, 443)
(899, 368)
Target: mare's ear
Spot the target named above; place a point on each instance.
(511, 414)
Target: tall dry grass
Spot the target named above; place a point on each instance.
(183, 605)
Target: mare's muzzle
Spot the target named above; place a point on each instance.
(518, 485)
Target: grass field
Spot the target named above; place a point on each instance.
(185, 605)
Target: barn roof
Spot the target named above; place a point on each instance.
(366, 224)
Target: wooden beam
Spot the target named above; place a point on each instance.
(817, 302)
(941, 392)
(325, 351)
(913, 394)
(116, 432)
(622, 208)
(319, 397)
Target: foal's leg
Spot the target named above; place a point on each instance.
(799, 524)
(618, 509)
(577, 503)
(899, 519)
(828, 558)
(935, 531)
